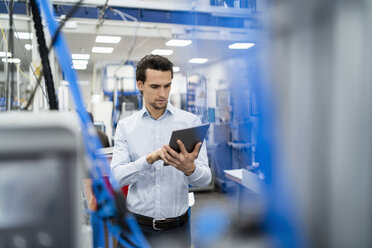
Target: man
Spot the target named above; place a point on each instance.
(158, 194)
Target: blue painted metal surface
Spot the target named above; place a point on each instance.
(234, 3)
(111, 94)
(2, 103)
(104, 196)
(159, 16)
(19, 8)
(143, 15)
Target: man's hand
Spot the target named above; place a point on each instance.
(155, 155)
(182, 161)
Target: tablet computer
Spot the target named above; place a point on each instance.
(189, 137)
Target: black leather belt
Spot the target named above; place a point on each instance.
(162, 224)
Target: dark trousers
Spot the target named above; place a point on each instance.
(179, 237)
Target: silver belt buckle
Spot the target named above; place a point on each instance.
(154, 224)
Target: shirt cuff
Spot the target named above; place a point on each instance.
(196, 174)
(142, 164)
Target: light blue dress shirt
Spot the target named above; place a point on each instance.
(155, 190)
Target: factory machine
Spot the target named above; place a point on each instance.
(40, 172)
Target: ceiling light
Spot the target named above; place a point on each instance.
(178, 43)
(163, 52)
(108, 39)
(28, 47)
(70, 24)
(198, 60)
(2, 54)
(23, 35)
(11, 60)
(241, 45)
(80, 62)
(79, 67)
(102, 49)
(176, 69)
(80, 56)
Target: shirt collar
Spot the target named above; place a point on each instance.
(169, 109)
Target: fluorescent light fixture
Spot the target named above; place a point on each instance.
(198, 60)
(23, 35)
(70, 24)
(79, 62)
(178, 43)
(79, 67)
(108, 39)
(102, 49)
(176, 69)
(28, 47)
(80, 56)
(241, 45)
(162, 52)
(2, 54)
(12, 60)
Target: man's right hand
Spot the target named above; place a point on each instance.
(155, 156)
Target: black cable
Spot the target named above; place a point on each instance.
(43, 50)
(10, 67)
(30, 66)
(63, 22)
(11, 44)
(55, 36)
(101, 15)
(38, 79)
(33, 95)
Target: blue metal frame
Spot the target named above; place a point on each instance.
(2, 103)
(142, 15)
(242, 3)
(19, 8)
(104, 195)
(159, 16)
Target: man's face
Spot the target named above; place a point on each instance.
(156, 88)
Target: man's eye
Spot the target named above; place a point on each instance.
(154, 86)
(167, 86)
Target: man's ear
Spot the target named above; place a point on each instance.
(140, 85)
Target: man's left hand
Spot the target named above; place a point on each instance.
(182, 161)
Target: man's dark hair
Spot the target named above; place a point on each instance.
(154, 62)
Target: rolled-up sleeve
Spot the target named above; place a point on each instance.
(123, 170)
(202, 175)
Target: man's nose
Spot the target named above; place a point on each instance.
(161, 91)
